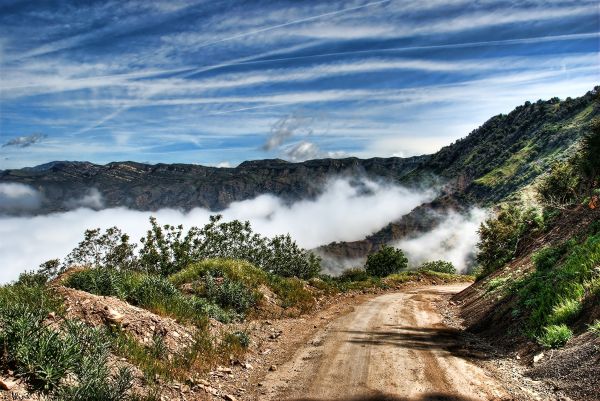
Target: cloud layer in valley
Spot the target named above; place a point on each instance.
(453, 240)
(343, 212)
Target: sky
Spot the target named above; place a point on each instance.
(220, 82)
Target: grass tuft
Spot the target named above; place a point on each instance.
(555, 336)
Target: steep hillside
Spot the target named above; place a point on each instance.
(493, 163)
(503, 307)
(538, 293)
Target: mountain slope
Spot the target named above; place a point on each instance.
(495, 162)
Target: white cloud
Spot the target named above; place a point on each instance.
(18, 198)
(91, 199)
(453, 240)
(342, 212)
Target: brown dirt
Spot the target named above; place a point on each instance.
(394, 346)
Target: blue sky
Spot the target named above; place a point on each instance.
(219, 82)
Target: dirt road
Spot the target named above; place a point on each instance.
(392, 347)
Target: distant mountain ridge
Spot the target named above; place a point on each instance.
(494, 162)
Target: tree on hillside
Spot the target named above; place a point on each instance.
(386, 261)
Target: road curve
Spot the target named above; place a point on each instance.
(392, 347)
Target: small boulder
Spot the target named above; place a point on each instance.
(113, 317)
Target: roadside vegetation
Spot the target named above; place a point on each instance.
(566, 276)
(223, 271)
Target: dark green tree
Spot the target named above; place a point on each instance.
(386, 261)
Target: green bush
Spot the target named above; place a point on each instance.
(553, 293)
(237, 270)
(230, 294)
(559, 186)
(549, 257)
(555, 336)
(356, 274)
(499, 236)
(109, 249)
(45, 355)
(595, 327)
(238, 338)
(166, 250)
(440, 266)
(386, 261)
(151, 292)
(292, 293)
(565, 311)
(228, 283)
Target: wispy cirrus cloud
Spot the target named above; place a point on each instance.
(192, 78)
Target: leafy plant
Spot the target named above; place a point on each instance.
(109, 249)
(166, 250)
(499, 236)
(386, 261)
(440, 266)
(555, 336)
(559, 186)
(565, 311)
(552, 293)
(356, 274)
(595, 327)
(44, 355)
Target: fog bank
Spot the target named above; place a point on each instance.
(343, 212)
(453, 240)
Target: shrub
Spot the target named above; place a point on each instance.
(151, 292)
(559, 186)
(499, 236)
(356, 274)
(439, 266)
(166, 250)
(292, 293)
(386, 261)
(109, 249)
(45, 355)
(228, 283)
(230, 294)
(555, 336)
(105, 282)
(239, 339)
(33, 297)
(565, 311)
(549, 257)
(595, 327)
(238, 270)
(552, 294)
(588, 162)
